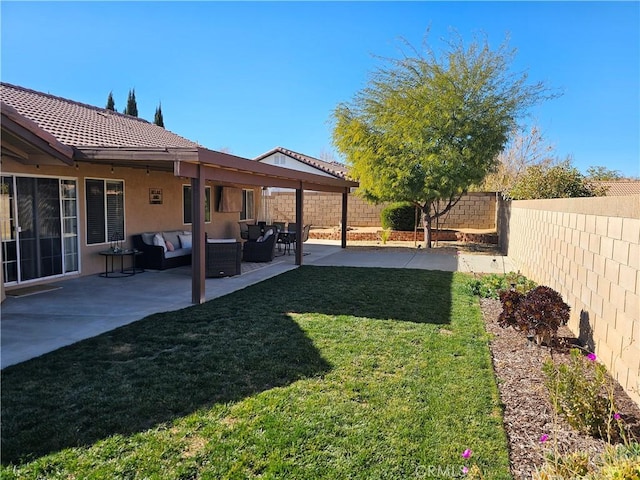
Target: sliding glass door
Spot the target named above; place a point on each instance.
(39, 227)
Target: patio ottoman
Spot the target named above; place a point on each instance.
(222, 257)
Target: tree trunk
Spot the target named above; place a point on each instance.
(426, 221)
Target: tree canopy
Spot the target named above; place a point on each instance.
(561, 180)
(158, 119)
(428, 126)
(111, 105)
(524, 149)
(600, 173)
(132, 105)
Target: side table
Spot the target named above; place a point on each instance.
(123, 272)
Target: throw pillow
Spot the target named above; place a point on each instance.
(159, 241)
(169, 245)
(147, 238)
(185, 241)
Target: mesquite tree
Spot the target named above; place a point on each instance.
(429, 126)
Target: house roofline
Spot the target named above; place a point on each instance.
(27, 131)
(321, 165)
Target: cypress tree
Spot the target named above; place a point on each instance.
(111, 105)
(158, 119)
(132, 106)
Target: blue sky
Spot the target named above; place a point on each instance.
(247, 77)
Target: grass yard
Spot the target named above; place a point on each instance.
(322, 372)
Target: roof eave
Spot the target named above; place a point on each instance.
(21, 129)
(226, 168)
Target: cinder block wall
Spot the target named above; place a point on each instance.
(588, 249)
(475, 210)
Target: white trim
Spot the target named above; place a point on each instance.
(59, 178)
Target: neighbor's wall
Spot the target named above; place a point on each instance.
(140, 214)
(588, 249)
(474, 210)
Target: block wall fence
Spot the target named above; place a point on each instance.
(587, 249)
(474, 210)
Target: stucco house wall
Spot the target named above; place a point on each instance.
(139, 214)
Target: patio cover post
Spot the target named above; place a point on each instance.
(343, 234)
(299, 224)
(197, 230)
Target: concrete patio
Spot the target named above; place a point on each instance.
(88, 306)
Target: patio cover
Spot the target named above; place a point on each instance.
(200, 164)
(39, 128)
(229, 169)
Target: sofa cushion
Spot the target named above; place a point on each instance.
(147, 237)
(178, 252)
(265, 237)
(185, 241)
(159, 241)
(221, 240)
(172, 236)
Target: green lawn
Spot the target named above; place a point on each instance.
(317, 373)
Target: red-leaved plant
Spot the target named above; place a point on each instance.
(538, 314)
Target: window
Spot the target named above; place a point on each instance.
(186, 203)
(105, 210)
(248, 206)
(279, 159)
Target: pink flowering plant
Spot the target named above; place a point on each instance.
(582, 393)
(473, 471)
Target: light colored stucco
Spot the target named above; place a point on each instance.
(140, 214)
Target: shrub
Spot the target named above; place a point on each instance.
(615, 463)
(511, 300)
(582, 392)
(539, 313)
(399, 216)
(490, 286)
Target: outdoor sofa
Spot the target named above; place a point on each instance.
(162, 250)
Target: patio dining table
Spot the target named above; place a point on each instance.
(286, 238)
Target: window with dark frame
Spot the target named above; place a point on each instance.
(105, 210)
(186, 205)
(248, 205)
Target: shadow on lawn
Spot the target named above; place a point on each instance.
(172, 364)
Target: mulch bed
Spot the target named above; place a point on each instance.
(527, 410)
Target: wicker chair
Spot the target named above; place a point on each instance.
(261, 250)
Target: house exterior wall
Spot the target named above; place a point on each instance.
(140, 214)
(587, 249)
(288, 162)
(474, 210)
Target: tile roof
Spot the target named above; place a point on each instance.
(620, 187)
(335, 169)
(79, 125)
